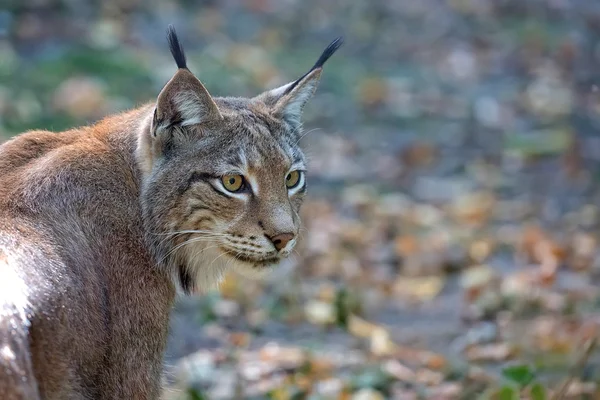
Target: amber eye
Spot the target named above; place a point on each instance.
(292, 179)
(233, 183)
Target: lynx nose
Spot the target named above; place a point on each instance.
(281, 240)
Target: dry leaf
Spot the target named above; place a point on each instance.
(419, 154)
(320, 312)
(476, 279)
(406, 246)
(480, 250)
(419, 288)
(398, 370)
(381, 343)
(360, 327)
(490, 352)
(284, 356)
(367, 394)
(429, 377)
(473, 208)
(240, 339)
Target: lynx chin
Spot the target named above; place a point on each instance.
(101, 226)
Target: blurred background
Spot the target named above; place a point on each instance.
(450, 248)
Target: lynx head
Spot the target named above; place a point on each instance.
(223, 178)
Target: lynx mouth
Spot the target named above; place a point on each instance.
(262, 262)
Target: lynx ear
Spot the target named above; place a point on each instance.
(184, 100)
(288, 101)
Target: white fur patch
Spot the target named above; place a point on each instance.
(278, 92)
(13, 291)
(299, 96)
(241, 196)
(253, 273)
(7, 354)
(290, 105)
(191, 108)
(208, 265)
(253, 184)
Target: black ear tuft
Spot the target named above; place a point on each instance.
(176, 47)
(327, 53)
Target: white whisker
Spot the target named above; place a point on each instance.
(305, 134)
(216, 258)
(213, 233)
(205, 234)
(179, 246)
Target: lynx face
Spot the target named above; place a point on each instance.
(224, 178)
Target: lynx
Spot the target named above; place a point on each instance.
(102, 226)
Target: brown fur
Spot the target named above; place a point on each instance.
(100, 226)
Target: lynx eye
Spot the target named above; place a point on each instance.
(292, 179)
(233, 183)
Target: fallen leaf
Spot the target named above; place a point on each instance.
(490, 352)
(418, 155)
(480, 250)
(398, 370)
(381, 343)
(475, 279)
(240, 339)
(428, 377)
(473, 208)
(320, 312)
(419, 288)
(285, 356)
(368, 394)
(360, 328)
